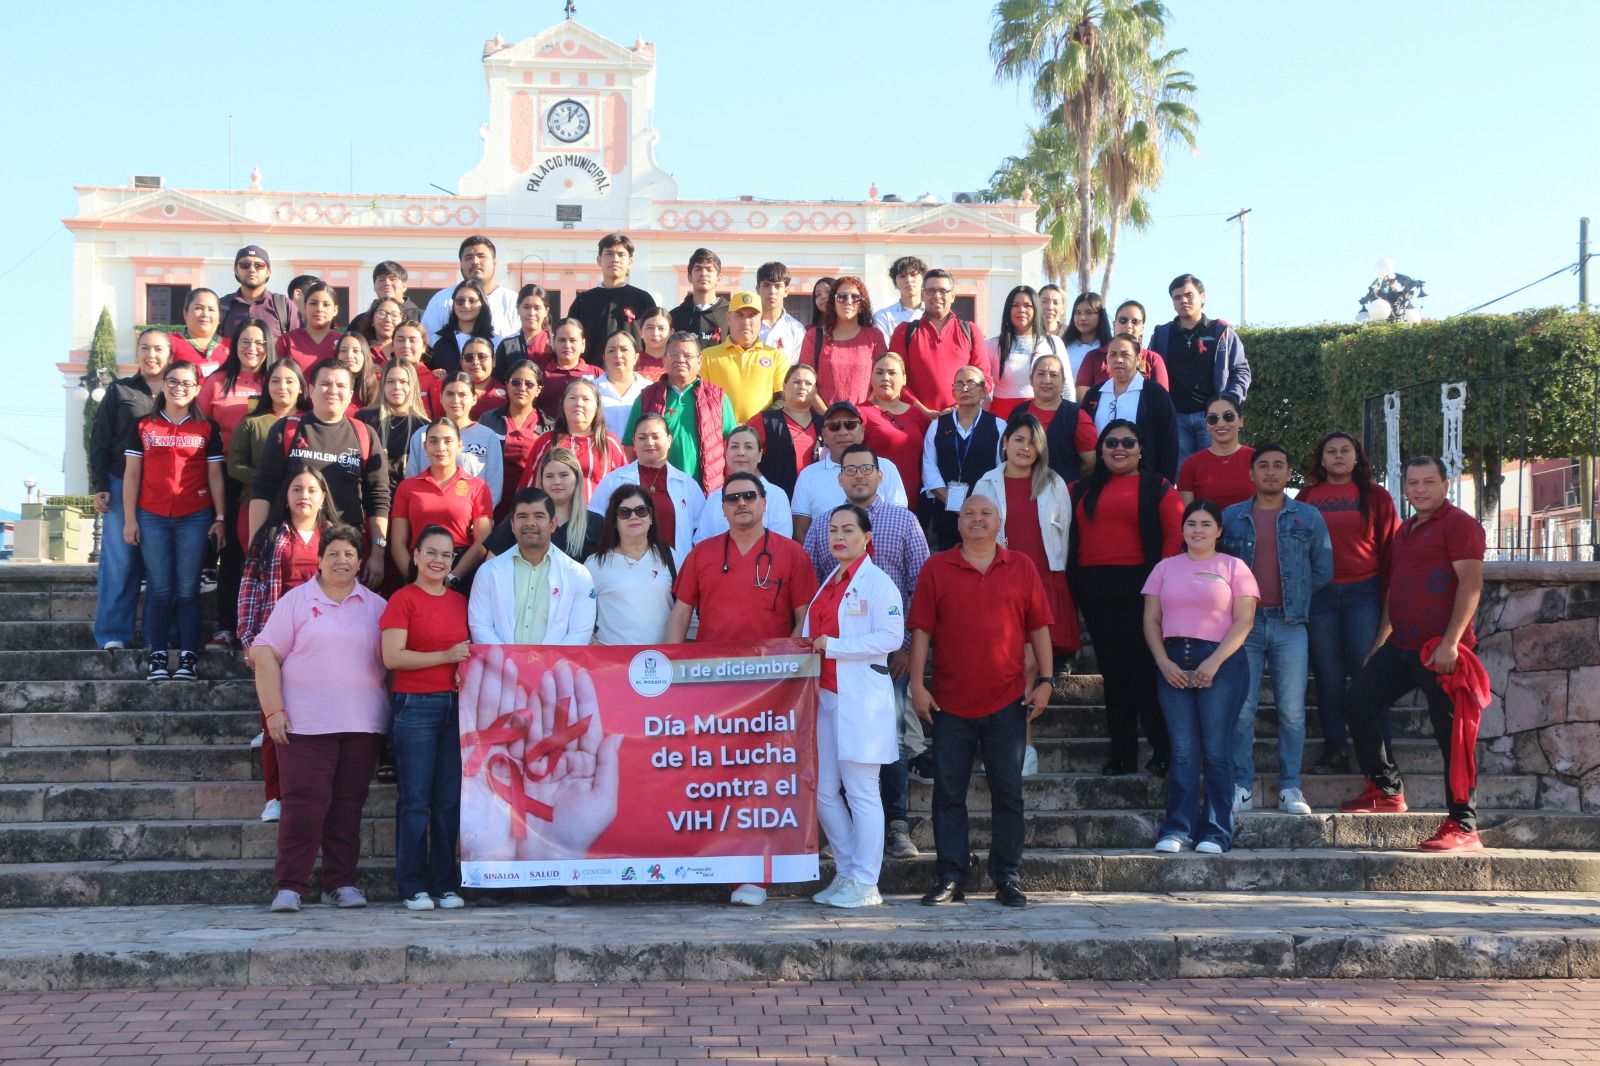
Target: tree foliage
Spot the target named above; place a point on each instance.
(102, 355)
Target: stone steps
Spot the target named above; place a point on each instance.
(100, 696)
(41, 605)
(26, 729)
(150, 801)
(92, 665)
(22, 636)
(221, 881)
(152, 762)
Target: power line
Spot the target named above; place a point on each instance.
(30, 255)
(1559, 270)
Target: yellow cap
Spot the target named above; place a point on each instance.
(744, 301)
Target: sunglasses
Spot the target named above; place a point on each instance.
(522, 383)
(641, 511)
(842, 425)
(251, 264)
(1129, 320)
(748, 496)
(846, 298)
(1226, 416)
(1125, 443)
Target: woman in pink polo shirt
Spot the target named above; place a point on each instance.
(320, 679)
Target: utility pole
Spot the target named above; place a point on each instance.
(1583, 264)
(230, 151)
(1244, 263)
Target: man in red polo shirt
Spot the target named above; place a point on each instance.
(937, 345)
(1435, 580)
(978, 604)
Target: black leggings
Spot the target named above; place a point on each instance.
(1113, 608)
(230, 567)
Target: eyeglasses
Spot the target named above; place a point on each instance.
(1226, 416)
(183, 386)
(846, 298)
(857, 469)
(388, 316)
(1129, 320)
(244, 345)
(748, 496)
(964, 384)
(842, 425)
(926, 291)
(642, 511)
(1125, 443)
(522, 383)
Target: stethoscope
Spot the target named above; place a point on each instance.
(763, 581)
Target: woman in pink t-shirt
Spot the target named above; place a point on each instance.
(842, 347)
(1198, 609)
(320, 679)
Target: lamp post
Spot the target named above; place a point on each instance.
(1390, 297)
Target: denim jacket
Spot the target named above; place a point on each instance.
(1305, 553)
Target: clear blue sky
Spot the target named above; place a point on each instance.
(1454, 137)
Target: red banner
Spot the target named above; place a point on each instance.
(679, 764)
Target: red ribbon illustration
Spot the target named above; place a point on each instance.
(512, 788)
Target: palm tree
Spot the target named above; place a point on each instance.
(1047, 171)
(1155, 113)
(1079, 55)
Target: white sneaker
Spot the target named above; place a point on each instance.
(345, 897)
(827, 894)
(113, 645)
(451, 901)
(420, 902)
(287, 901)
(1171, 843)
(855, 894)
(748, 896)
(1243, 800)
(272, 811)
(1293, 801)
(1208, 847)
(258, 739)
(1030, 761)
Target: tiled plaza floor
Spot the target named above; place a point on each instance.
(1245, 1022)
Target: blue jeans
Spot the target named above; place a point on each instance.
(894, 778)
(1193, 436)
(955, 741)
(121, 570)
(1200, 724)
(1342, 627)
(424, 738)
(1282, 645)
(173, 550)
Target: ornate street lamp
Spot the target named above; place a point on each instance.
(1390, 297)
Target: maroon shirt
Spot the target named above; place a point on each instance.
(1422, 575)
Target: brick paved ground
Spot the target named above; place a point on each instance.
(1247, 1022)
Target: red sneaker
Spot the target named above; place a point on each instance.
(1451, 837)
(1376, 801)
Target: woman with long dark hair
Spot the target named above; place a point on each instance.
(378, 326)
(480, 446)
(314, 341)
(633, 572)
(355, 355)
(1345, 615)
(1088, 328)
(519, 425)
(1125, 520)
(1220, 473)
(469, 318)
(1012, 352)
(821, 299)
(532, 339)
(581, 428)
(843, 346)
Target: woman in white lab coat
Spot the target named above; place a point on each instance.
(855, 622)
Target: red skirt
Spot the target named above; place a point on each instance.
(1064, 634)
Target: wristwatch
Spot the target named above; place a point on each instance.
(380, 542)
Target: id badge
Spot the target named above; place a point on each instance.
(955, 496)
(855, 608)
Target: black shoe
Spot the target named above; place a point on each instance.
(1117, 767)
(943, 892)
(188, 667)
(553, 897)
(1157, 766)
(1010, 894)
(157, 670)
(1332, 762)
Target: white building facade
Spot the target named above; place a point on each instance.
(569, 156)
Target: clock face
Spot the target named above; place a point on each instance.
(568, 121)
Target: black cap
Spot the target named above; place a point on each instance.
(840, 405)
(255, 250)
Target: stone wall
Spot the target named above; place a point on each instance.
(1539, 637)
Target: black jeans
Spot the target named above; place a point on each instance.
(1113, 608)
(1388, 675)
(956, 741)
(230, 567)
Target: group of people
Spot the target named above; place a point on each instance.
(932, 510)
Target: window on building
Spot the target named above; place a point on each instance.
(341, 296)
(420, 297)
(163, 304)
(965, 308)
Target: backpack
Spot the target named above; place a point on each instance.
(911, 326)
(291, 435)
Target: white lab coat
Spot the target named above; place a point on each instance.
(491, 612)
(687, 501)
(1055, 512)
(867, 706)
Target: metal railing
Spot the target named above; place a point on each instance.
(1522, 452)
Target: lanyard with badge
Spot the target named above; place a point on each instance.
(956, 491)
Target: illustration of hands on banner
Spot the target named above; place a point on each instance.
(539, 777)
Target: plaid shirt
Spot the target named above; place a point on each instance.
(261, 586)
(899, 548)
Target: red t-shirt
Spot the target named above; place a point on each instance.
(1222, 479)
(898, 438)
(1112, 538)
(432, 623)
(979, 623)
(732, 606)
(184, 351)
(935, 356)
(824, 620)
(802, 438)
(227, 410)
(307, 353)
(176, 456)
(1084, 436)
(455, 505)
(302, 564)
(1360, 545)
(1422, 577)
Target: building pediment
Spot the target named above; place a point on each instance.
(171, 205)
(569, 42)
(954, 219)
